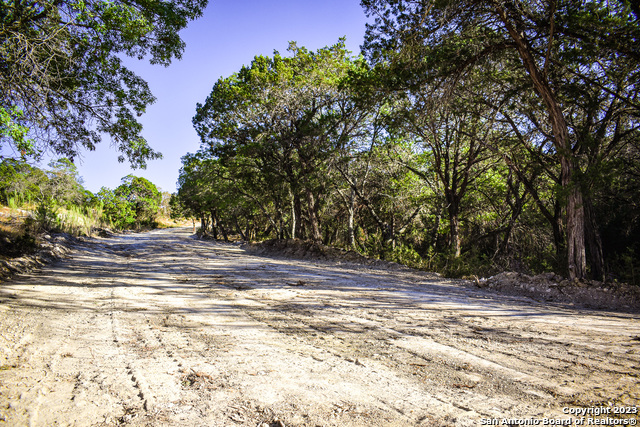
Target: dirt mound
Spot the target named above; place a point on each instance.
(307, 249)
(551, 287)
(50, 247)
(547, 287)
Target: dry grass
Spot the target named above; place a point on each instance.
(166, 222)
(11, 222)
(73, 221)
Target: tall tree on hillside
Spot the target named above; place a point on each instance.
(65, 184)
(62, 81)
(549, 43)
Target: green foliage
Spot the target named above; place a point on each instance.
(406, 255)
(464, 266)
(12, 203)
(46, 216)
(133, 204)
(58, 203)
(12, 129)
(64, 184)
(79, 220)
(176, 207)
(549, 89)
(457, 148)
(116, 210)
(142, 196)
(282, 120)
(21, 182)
(60, 185)
(62, 82)
(628, 264)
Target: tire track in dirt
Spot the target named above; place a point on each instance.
(391, 407)
(358, 346)
(552, 368)
(525, 359)
(527, 354)
(73, 373)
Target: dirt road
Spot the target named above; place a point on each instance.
(161, 329)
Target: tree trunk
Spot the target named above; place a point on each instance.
(351, 236)
(576, 251)
(558, 231)
(455, 235)
(391, 233)
(435, 236)
(453, 210)
(516, 209)
(314, 222)
(281, 229)
(502, 246)
(214, 225)
(576, 256)
(239, 229)
(296, 216)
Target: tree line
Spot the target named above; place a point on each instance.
(469, 137)
(59, 202)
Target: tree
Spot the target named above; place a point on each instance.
(143, 197)
(451, 137)
(288, 117)
(64, 185)
(62, 82)
(199, 192)
(21, 180)
(542, 48)
(165, 204)
(116, 209)
(60, 185)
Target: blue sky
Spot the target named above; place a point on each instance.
(228, 36)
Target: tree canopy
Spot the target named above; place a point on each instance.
(565, 74)
(284, 118)
(63, 84)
